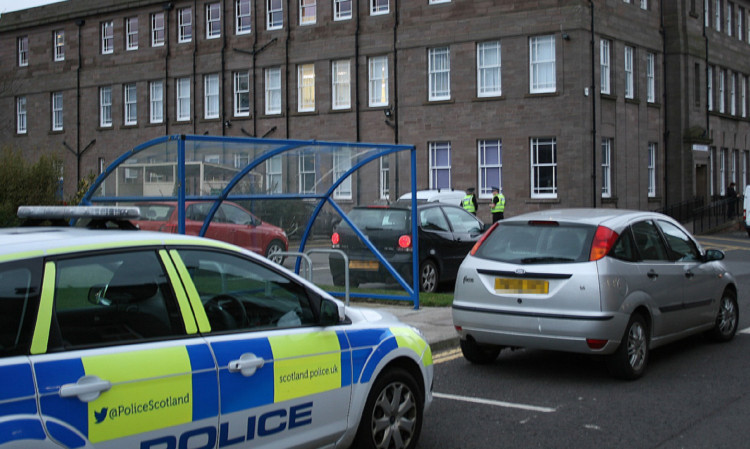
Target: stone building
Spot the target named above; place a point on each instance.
(608, 103)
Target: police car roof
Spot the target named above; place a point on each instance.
(52, 239)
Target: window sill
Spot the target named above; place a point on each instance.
(271, 115)
(632, 101)
(609, 97)
(437, 102)
(490, 98)
(133, 126)
(542, 201)
(653, 104)
(542, 94)
(342, 110)
(609, 200)
(105, 128)
(304, 113)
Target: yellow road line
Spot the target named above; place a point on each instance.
(446, 356)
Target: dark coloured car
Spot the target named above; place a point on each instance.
(231, 224)
(446, 235)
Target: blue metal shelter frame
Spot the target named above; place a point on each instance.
(271, 148)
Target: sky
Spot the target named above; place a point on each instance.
(15, 5)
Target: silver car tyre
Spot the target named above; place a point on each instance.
(727, 318)
(274, 247)
(479, 354)
(631, 357)
(428, 277)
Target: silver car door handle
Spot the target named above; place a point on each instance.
(86, 389)
(652, 274)
(247, 364)
(689, 274)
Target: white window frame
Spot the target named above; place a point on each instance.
(341, 85)
(539, 65)
(342, 10)
(722, 89)
(156, 101)
(706, 14)
(733, 93)
(628, 68)
(729, 14)
(439, 69)
(105, 106)
(743, 96)
(644, 4)
(385, 178)
(243, 17)
(241, 82)
(740, 22)
(23, 51)
(710, 87)
(711, 170)
(606, 167)
(652, 169)
(436, 170)
(378, 81)
(108, 37)
(605, 46)
(131, 33)
(158, 34)
(58, 42)
(306, 87)
(273, 90)
(490, 174)
(211, 96)
(650, 77)
(342, 162)
(733, 172)
(274, 171)
(21, 115)
(57, 111)
(537, 190)
(182, 86)
(717, 15)
(274, 14)
(303, 171)
(379, 7)
(307, 12)
(435, 2)
(130, 104)
(723, 171)
(184, 25)
(213, 20)
(489, 69)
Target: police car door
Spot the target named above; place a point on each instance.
(114, 359)
(20, 284)
(284, 380)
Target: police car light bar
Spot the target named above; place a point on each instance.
(69, 212)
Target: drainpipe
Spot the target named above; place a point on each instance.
(356, 76)
(255, 75)
(593, 110)
(663, 33)
(195, 55)
(286, 64)
(223, 113)
(167, 8)
(80, 23)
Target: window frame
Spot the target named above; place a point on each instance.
(384, 168)
(130, 104)
(536, 64)
(651, 169)
(107, 35)
(303, 172)
(105, 107)
(378, 84)
(58, 118)
(184, 27)
(131, 33)
(379, 7)
(650, 77)
(306, 87)
(439, 72)
(488, 70)
(710, 87)
(272, 78)
(537, 191)
(22, 125)
(308, 12)
(606, 166)
(628, 69)
(22, 45)
(274, 174)
(213, 24)
(243, 14)
(486, 181)
(158, 29)
(341, 96)
(241, 92)
(156, 102)
(58, 44)
(274, 15)
(339, 13)
(342, 163)
(211, 92)
(605, 64)
(182, 98)
(436, 170)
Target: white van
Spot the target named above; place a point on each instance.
(745, 209)
(448, 196)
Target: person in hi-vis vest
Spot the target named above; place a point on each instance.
(470, 201)
(497, 206)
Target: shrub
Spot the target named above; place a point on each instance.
(23, 183)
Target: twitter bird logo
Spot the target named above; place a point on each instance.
(100, 415)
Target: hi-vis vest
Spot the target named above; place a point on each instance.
(500, 205)
(468, 204)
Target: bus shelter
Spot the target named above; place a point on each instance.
(302, 187)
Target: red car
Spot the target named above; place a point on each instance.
(231, 224)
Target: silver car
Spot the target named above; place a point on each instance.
(595, 281)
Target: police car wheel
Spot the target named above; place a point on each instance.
(392, 418)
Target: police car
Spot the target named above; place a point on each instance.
(133, 339)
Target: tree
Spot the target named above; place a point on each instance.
(22, 183)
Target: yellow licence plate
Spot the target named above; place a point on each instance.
(363, 265)
(536, 286)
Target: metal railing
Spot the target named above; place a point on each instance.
(700, 218)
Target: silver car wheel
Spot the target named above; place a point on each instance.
(394, 417)
(637, 346)
(273, 248)
(727, 320)
(428, 277)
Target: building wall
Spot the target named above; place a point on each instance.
(404, 35)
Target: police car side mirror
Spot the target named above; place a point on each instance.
(330, 313)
